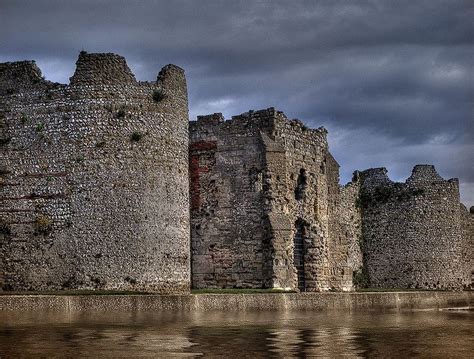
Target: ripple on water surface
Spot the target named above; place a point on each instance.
(245, 334)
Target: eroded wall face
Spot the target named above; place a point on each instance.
(94, 179)
(227, 222)
(345, 256)
(313, 205)
(258, 181)
(298, 198)
(412, 232)
(468, 252)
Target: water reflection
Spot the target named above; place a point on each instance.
(262, 334)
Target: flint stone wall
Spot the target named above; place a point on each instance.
(468, 234)
(94, 180)
(413, 232)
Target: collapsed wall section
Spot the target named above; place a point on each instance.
(263, 189)
(94, 179)
(412, 231)
(302, 179)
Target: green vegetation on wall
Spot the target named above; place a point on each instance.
(384, 194)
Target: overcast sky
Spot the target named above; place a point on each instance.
(392, 81)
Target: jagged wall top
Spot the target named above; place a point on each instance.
(19, 76)
(95, 161)
(92, 69)
(266, 118)
(421, 174)
(102, 69)
(425, 173)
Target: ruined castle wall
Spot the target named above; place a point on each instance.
(227, 220)
(305, 155)
(298, 198)
(468, 234)
(412, 231)
(94, 190)
(257, 181)
(350, 219)
(344, 252)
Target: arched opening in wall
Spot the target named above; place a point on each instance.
(300, 185)
(301, 233)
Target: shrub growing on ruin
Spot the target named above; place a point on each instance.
(4, 141)
(43, 224)
(23, 118)
(136, 136)
(39, 127)
(79, 159)
(120, 113)
(158, 95)
(360, 278)
(4, 228)
(130, 280)
(384, 194)
(364, 199)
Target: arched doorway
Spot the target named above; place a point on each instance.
(299, 251)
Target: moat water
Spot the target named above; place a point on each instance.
(445, 334)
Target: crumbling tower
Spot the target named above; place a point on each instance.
(94, 178)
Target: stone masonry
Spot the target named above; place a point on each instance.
(264, 202)
(414, 234)
(94, 179)
(104, 184)
(267, 211)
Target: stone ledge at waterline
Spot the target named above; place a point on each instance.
(390, 301)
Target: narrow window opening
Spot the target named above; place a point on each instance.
(300, 185)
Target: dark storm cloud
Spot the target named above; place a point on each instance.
(391, 80)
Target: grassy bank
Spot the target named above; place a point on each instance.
(75, 292)
(201, 291)
(239, 291)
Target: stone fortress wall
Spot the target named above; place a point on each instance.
(227, 220)
(468, 233)
(94, 179)
(263, 188)
(414, 234)
(102, 186)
